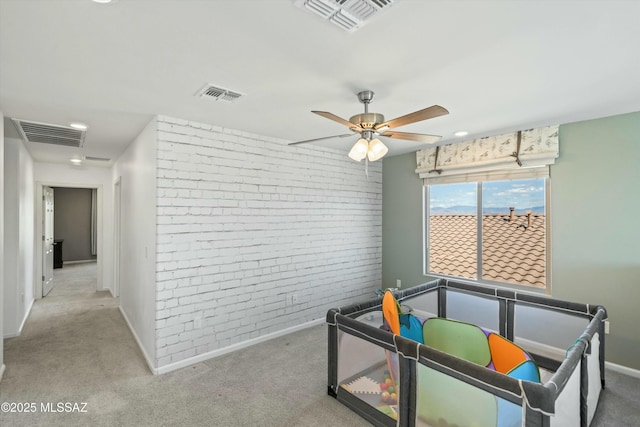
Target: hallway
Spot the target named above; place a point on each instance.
(74, 343)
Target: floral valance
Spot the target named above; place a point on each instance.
(522, 149)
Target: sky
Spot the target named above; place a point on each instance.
(521, 194)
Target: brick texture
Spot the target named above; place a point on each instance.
(245, 221)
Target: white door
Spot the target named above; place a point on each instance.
(47, 240)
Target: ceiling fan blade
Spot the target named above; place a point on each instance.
(416, 116)
(320, 139)
(419, 137)
(340, 120)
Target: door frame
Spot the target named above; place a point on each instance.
(39, 229)
(117, 237)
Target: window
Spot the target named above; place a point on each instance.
(486, 214)
(489, 231)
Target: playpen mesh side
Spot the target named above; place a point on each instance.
(545, 331)
(567, 405)
(551, 332)
(593, 373)
(360, 357)
(475, 309)
(423, 305)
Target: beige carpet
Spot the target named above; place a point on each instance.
(76, 347)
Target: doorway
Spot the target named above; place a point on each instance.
(46, 252)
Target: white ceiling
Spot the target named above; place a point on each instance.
(495, 65)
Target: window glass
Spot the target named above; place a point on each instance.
(507, 217)
(453, 244)
(514, 232)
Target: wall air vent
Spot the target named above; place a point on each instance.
(97, 159)
(45, 133)
(346, 14)
(218, 93)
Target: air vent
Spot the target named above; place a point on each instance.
(218, 93)
(45, 133)
(346, 14)
(345, 21)
(97, 159)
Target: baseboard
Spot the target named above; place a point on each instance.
(244, 344)
(2, 371)
(622, 369)
(82, 261)
(147, 359)
(24, 320)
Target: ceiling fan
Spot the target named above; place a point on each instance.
(369, 125)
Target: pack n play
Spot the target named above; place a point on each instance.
(452, 354)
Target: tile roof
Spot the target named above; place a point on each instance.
(513, 251)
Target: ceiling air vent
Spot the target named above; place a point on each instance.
(218, 93)
(346, 14)
(45, 133)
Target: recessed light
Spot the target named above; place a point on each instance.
(461, 133)
(75, 160)
(79, 126)
(102, 1)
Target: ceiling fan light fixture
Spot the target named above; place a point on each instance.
(79, 126)
(359, 150)
(377, 150)
(369, 125)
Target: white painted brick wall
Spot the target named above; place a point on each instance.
(245, 220)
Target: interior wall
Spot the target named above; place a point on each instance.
(26, 195)
(256, 237)
(136, 169)
(2, 367)
(595, 240)
(72, 222)
(595, 235)
(19, 236)
(67, 175)
(10, 270)
(402, 224)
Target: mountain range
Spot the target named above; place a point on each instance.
(471, 210)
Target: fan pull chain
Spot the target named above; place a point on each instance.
(366, 167)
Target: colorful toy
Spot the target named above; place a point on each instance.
(388, 388)
(468, 342)
(464, 340)
(400, 323)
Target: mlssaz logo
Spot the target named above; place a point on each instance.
(63, 407)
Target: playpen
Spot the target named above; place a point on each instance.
(392, 380)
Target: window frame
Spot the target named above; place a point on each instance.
(514, 286)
